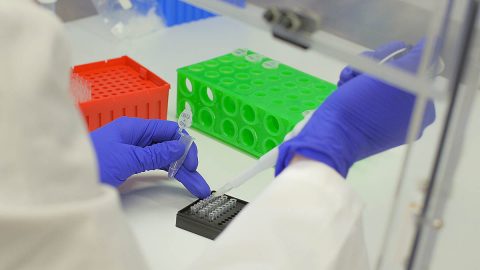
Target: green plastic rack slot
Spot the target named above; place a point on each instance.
(247, 100)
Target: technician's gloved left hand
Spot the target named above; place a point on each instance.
(128, 146)
(363, 117)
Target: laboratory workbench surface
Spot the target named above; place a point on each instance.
(151, 201)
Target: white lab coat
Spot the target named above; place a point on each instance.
(55, 215)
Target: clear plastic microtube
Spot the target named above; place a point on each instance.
(254, 58)
(80, 88)
(271, 64)
(240, 52)
(184, 121)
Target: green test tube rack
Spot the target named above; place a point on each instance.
(247, 100)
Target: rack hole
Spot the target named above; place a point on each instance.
(320, 87)
(188, 84)
(229, 105)
(196, 68)
(247, 137)
(211, 74)
(269, 144)
(206, 117)
(290, 84)
(310, 104)
(206, 95)
(256, 72)
(272, 124)
(209, 94)
(286, 73)
(244, 87)
(242, 76)
(227, 81)
(211, 64)
(304, 80)
(229, 128)
(226, 70)
(241, 65)
(248, 114)
(306, 91)
(225, 60)
(258, 82)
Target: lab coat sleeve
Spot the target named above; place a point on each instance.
(54, 214)
(78, 235)
(308, 218)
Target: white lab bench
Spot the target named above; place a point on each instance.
(151, 201)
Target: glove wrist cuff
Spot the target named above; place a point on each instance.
(339, 166)
(317, 152)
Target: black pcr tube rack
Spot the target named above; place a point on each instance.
(202, 226)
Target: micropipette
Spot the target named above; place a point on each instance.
(265, 162)
(184, 121)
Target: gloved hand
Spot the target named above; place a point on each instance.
(364, 116)
(128, 146)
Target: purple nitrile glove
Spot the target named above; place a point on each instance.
(363, 117)
(128, 146)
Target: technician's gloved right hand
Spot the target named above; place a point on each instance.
(128, 146)
(364, 116)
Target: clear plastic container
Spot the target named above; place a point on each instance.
(129, 18)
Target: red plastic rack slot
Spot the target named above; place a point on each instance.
(122, 87)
